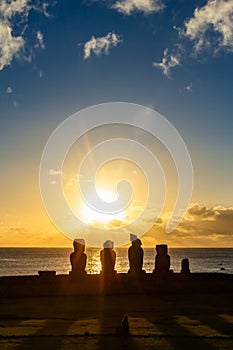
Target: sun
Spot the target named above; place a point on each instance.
(95, 218)
(107, 195)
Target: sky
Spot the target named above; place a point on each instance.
(58, 57)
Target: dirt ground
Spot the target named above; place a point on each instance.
(91, 322)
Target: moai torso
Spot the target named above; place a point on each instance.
(185, 266)
(78, 259)
(162, 259)
(108, 260)
(135, 255)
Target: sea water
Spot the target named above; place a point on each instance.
(28, 261)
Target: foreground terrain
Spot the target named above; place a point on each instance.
(198, 321)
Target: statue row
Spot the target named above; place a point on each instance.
(78, 258)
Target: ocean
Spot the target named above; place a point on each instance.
(28, 261)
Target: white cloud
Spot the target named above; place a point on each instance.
(168, 61)
(72, 182)
(9, 90)
(100, 45)
(10, 8)
(53, 182)
(45, 10)
(15, 104)
(40, 40)
(212, 24)
(54, 172)
(127, 7)
(11, 45)
(189, 87)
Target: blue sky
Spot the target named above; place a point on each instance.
(57, 57)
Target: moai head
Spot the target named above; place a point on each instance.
(79, 245)
(133, 237)
(161, 249)
(185, 265)
(137, 243)
(108, 244)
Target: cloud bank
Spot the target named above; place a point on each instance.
(201, 227)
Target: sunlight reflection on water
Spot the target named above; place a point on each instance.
(27, 261)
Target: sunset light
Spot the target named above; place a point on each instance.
(106, 195)
(95, 218)
(63, 63)
(116, 195)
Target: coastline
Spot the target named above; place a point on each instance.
(27, 261)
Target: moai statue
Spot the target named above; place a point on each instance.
(185, 266)
(135, 255)
(78, 258)
(162, 260)
(108, 259)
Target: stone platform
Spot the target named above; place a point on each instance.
(50, 284)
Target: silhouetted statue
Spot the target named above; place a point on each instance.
(78, 258)
(185, 266)
(135, 255)
(108, 259)
(162, 260)
(125, 326)
(123, 330)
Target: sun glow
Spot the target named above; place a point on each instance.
(106, 195)
(95, 218)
